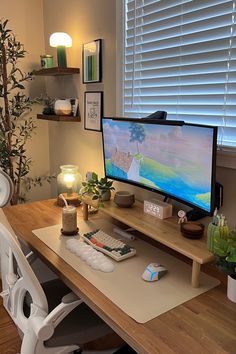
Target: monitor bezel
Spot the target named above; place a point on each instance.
(165, 194)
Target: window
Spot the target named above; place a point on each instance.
(180, 57)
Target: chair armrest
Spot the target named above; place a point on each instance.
(68, 298)
(31, 257)
(52, 320)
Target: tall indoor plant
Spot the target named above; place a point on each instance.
(16, 127)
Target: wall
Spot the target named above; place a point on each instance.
(84, 21)
(227, 177)
(69, 143)
(26, 21)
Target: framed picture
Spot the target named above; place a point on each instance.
(92, 61)
(93, 110)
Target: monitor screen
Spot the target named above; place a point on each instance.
(173, 159)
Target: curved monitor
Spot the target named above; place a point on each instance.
(174, 159)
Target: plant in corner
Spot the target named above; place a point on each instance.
(16, 127)
(225, 252)
(100, 189)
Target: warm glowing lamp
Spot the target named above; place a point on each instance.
(69, 182)
(61, 40)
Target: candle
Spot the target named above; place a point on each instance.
(69, 220)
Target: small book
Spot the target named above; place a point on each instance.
(74, 106)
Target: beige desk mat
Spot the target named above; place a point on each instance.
(140, 300)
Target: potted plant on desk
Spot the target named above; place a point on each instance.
(99, 189)
(225, 252)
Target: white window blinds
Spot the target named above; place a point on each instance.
(180, 57)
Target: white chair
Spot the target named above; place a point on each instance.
(6, 188)
(51, 318)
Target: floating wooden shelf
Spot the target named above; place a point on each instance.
(59, 118)
(56, 71)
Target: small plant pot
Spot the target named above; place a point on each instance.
(231, 289)
(105, 195)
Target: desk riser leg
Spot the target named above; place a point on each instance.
(85, 211)
(196, 268)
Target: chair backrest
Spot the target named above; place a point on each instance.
(6, 188)
(19, 279)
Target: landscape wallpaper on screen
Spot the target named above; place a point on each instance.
(172, 159)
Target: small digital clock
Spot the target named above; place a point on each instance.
(157, 208)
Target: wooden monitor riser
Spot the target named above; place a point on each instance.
(165, 231)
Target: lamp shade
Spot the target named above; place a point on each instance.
(60, 39)
(69, 183)
(69, 179)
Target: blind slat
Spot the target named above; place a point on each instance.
(181, 57)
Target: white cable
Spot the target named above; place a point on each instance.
(64, 200)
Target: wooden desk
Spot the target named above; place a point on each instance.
(205, 324)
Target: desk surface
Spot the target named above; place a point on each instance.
(205, 324)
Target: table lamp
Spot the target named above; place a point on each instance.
(61, 40)
(69, 182)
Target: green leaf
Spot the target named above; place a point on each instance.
(220, 247)
(94, 176)
(231, 258)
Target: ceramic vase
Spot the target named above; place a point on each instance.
(62, 107)
(231, 289)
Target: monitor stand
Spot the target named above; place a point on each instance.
(195, 215)
(157, 115)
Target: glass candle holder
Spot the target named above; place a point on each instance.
(69, 221)
(69, 179)
(69, 183)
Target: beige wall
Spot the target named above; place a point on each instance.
(227, 177)
(84, 21)
(26, 21)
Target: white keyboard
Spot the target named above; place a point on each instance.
(109, 245)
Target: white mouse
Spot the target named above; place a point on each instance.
(153, 272)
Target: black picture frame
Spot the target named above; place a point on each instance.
(93, 110)
(92, 61)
